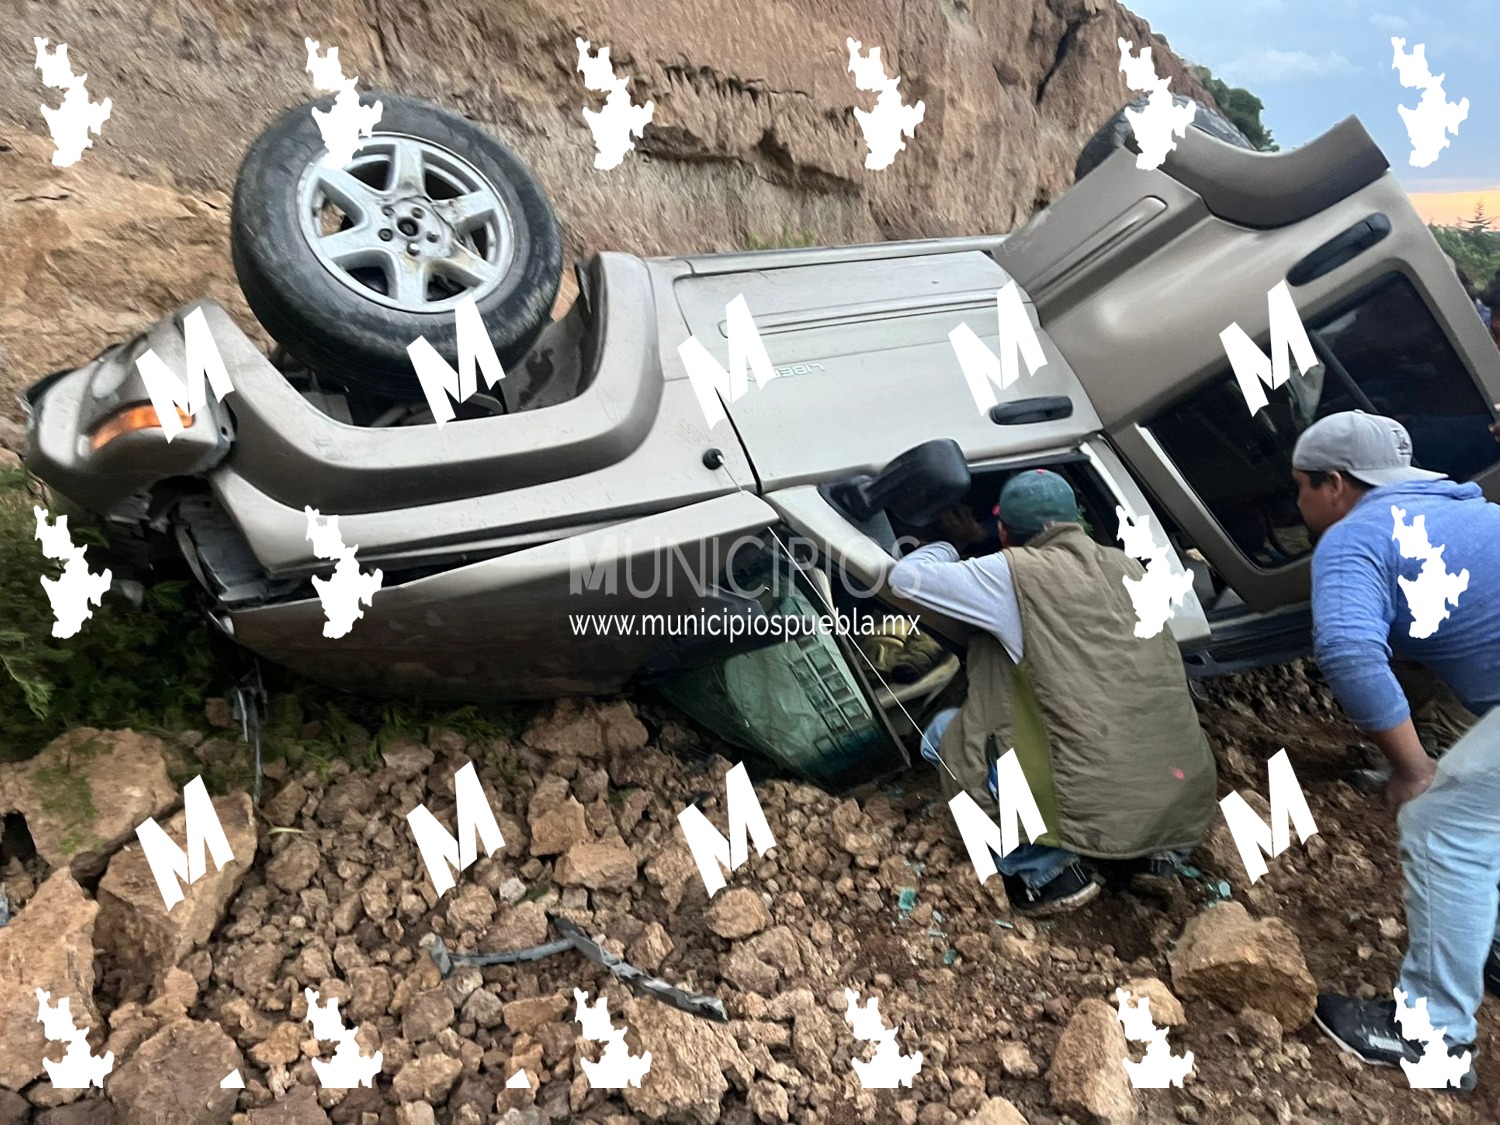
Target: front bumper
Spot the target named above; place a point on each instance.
(66, 408)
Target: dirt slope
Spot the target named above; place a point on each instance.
(754, 140)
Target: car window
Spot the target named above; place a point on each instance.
(796, 703)
(1384, 352)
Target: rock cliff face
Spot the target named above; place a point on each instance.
(754, 141)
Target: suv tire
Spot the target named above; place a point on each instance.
(430, 210)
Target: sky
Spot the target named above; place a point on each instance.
(1314, 62)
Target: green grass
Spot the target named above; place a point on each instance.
(510, 770)
(785, 239)
(147, 666)
(67, 796)
(151, 668)
(534, 892)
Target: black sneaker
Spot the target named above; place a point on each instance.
(1367, 1029)
(1153, 874)
(1492, 972)
(1071, 888)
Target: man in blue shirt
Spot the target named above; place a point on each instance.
(1407, 565)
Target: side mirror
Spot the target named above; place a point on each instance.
(917, 486)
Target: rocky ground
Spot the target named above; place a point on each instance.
(1014, 1019)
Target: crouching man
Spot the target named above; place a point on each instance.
(1353, 473)
(1101, 720)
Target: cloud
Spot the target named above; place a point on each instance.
(1452, 184)
(1385, 21)
(1285, 66)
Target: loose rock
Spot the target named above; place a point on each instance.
(293, 867)
(1016, 1060)
(558, 829)
(49, 945)
(737, 913)
(998, 1111)
(573, 730)
(298, 1106)
(425, 1015)
(427, 1079)
(671, 870)
(282, 809)
(1166, 1009)
(135, 927)
(1087, 1079)
(608, 865)
(174, 1077)
(1229, 957)
(526, 1015)
(86, 790)
(651, 948)
(518, 927)
(471, 908)
(688, 1059)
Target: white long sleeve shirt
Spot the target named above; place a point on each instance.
(979, 592)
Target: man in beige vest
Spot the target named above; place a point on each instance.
(1101, 720)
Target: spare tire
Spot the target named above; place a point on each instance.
(1115, 132)
(347, 266)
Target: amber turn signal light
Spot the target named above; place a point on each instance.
(130, 420)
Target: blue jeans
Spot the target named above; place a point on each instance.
(1450, 853)
(1036, 864)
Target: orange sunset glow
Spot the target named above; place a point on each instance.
(1448, 208)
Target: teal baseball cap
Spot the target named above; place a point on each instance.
(1034, 498)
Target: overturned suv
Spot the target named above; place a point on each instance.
(560, 534)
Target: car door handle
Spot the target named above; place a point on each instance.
(1043, 408)
(1339, 249)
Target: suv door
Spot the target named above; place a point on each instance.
(852, 571)
(862, 334)
(1135, 273)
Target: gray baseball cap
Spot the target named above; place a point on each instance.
(1368, 447)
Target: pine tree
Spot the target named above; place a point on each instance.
(1478, 221)
(1240, 106)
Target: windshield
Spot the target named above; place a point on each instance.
(1382, 352)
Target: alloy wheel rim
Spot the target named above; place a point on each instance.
(407, 224)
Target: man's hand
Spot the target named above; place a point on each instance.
(1406, 785)
(1411, 769)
